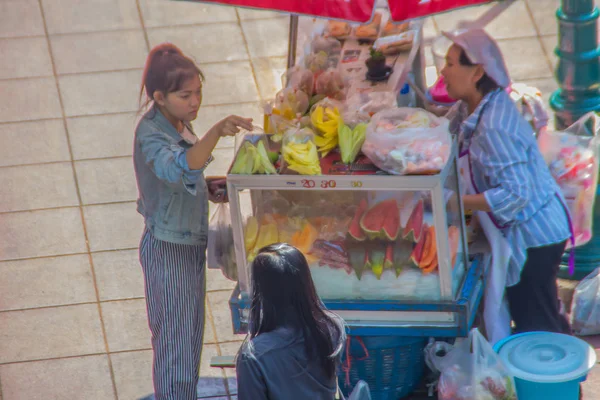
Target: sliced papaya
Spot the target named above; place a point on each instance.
(382, 220)
(304, 239)
(429, 248)
(454, 240)
(417, 252)
(414, 226)
(431, 267)
(355, 231)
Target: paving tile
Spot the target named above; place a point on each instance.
(544, 15)
(113, 226)
(210, 115)
(41, 233)
(25, 57)
(106, 181)
(79, 378)
(37, 186)
(247, 14)
(216, 281)
(208, 352)
(210, 387)
(550, 43)
(99, 51)
(269, 75)
(69, 16)
(20, 18)
(230, 349)
(209, 331)
(29, 99)
(219, 305)
(162, 13)
(100, 93)
(126, 325)
(192, 40)
(118, 275)
(267, 38)
(133, 373)
(44, 282)
(100, 136)
(514, 22)
(50, 333)
(228, 83)
(33, 142)
(525, 58)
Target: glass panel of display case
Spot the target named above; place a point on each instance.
(360, 244)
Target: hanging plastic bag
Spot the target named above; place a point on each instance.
(585, 311)
(331, 84)
(220, 248)
(300, 78)
(473, 371)
(531, 104)
(572, 156)
(404, 141)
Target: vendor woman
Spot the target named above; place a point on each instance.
(508, 184)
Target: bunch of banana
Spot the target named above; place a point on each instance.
(351, 140)
(325, 120)
(252, 160)
(301, 157)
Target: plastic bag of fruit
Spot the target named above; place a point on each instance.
(299, 151)
(371, 102)
(325, 117)
(585, 311)
(473, 371)
(300, 78)
(572, 156)
(408, 141)
(220, 246)
(331, 84)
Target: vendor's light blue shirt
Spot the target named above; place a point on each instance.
(508, 168)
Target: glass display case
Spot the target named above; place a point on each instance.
(384, 250)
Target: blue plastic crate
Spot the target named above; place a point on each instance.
(393, 368)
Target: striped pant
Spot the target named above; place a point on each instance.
(175, 287)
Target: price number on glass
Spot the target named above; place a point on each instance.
(328, 184)
(356, 184)
(307, 183)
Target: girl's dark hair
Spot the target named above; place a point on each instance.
(283, 294)
(167, 68)
(485, 84)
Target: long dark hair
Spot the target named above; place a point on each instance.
(283, 293)
(485, 84)
(166, 70)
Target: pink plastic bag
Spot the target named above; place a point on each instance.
(572, 156)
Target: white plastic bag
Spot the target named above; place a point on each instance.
(473, 371)
(220, 248)
(572, 156)
(585, 310)
(404, 141)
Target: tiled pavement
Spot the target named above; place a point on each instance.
(72, 317)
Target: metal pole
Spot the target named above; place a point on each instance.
(578, 76)
(292, 41)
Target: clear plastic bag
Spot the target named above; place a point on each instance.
(325, 117)
(405, 141)
(331, 84)
(299, 151)
(371, 102)
(473, 371)
(585, 311)
(572, 156)
(529, 100)
(220, 248)
(300, 78)
(291, 103)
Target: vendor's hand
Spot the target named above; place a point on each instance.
(231, 125)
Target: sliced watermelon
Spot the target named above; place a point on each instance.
(357, 259)
(355, 231)
(375, 221)
(417, 252)
(414, 225)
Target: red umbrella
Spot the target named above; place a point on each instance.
(353, 10)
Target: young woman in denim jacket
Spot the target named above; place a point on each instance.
(169, 160)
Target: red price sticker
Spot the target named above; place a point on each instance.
(307, 183)
(328, 184)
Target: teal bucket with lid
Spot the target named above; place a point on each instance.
(545, 365)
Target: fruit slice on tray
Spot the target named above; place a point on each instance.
(414, 226)
(417, 252)
(429, 259)
(382, 221)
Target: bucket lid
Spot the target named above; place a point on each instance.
(547, 357)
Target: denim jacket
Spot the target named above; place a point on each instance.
(172, 198)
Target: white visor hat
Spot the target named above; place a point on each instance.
(481, 49)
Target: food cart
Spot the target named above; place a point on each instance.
(388, 252)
